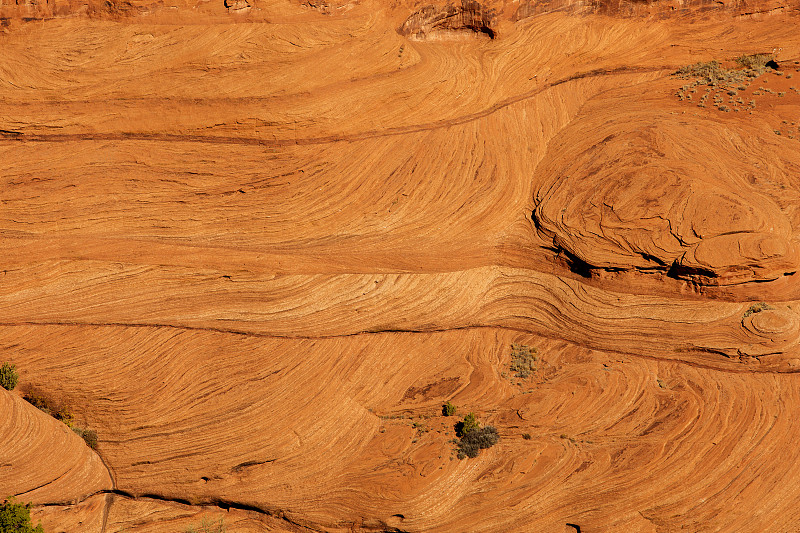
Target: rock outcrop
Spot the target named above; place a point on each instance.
(432, 21)
(640, 191)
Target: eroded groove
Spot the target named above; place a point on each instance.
(218, 503)
(278, 143)
(685, 350)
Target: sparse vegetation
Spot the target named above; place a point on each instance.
(757, 307)
(8, 376)
(523, 359)
(16, 518)
(448, 409)
(470, 423)
(706, 73)
(476, 440)
(712, 73)
(721, 81)
(526, 436)
(57, 410)
(754, 61)
(473, 438)
(61, 412)
(89, 436)
(207, 526)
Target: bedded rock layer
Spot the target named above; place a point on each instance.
(257, 249)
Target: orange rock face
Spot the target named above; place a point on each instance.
(255, 245)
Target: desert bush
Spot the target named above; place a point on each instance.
(89, 436)
(753, 61)
(8, 376)
(713, 74)
(16, 518)
(470, 423)
(760, 306)
(476, 440)
(523, 359)
(526, 436)
(448, 409)
(708, 70)
(41, 401)
(208, 527)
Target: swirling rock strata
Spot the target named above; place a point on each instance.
(256, 252)
(660, 198)
(347, 433)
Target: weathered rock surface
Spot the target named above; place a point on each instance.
(256, 247)
(671, 200)
(433, 21)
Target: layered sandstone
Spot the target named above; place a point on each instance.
(255, 245)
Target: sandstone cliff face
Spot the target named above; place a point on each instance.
(432, 21)
(656, 8)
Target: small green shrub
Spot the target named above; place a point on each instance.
(476, 440)
(208, 527)
(89, 436)
(16, 518)
(470, 423)
(8, 376)
(448, 409)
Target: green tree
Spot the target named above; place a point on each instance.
(8, 376)
(470, 423)
(16, 518)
